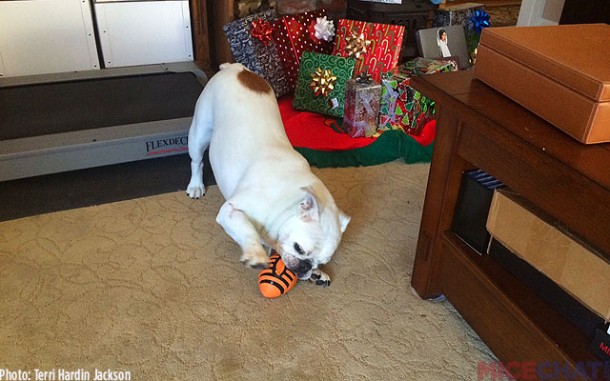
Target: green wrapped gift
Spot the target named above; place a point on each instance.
(322, 82)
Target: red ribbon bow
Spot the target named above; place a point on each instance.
(262, 29)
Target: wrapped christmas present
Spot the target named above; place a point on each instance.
(458, 14)
(298, 33)
(402, 107)
(321, 83)
(471, 16)
(361, 112)
(374, 46)
(252, 45)
(385, 1)
(420, 65)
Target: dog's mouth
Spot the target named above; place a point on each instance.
(303, 268)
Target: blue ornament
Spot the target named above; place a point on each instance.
(478, 21)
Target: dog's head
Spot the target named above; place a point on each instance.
(310, 236)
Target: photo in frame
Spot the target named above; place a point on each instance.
(444, 42)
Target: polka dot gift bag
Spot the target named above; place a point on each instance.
(303, 32)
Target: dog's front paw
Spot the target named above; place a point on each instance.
(320, 278)
(255, 257)
(195, 190)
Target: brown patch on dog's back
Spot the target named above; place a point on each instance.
(253, 82)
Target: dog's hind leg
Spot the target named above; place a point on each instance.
(200, 135)
(238, 226)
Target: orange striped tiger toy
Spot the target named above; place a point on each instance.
(276, 279)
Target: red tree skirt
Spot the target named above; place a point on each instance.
(317, 132)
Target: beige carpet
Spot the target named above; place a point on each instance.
(154, 287)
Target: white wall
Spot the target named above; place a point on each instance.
(57, 36)
(540, 12)
(144, 32)
(52, 36)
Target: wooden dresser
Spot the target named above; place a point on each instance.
(480, 128)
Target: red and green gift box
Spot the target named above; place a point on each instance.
(421, 65)
(321, 83)
(299, 33)
(402, 107)
(375, 46)
(361, 113)
(252, 45)
(396, 96)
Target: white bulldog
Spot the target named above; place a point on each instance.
(271, 194)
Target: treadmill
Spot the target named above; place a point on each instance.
(122, 112)
(61, 122)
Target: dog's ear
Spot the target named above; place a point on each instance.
(344, 219)
(309, 207)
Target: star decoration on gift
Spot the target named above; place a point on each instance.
(322, 82)
(357, 45)
(262, 30)
(364, 77)
(478, 21)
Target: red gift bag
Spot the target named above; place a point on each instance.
(295, 34)
(376, 47)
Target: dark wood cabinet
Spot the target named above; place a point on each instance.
(201, 34)
(480, 128)
(585, 12)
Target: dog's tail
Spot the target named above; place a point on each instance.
(226, 65)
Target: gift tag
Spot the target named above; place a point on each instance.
(334, 103)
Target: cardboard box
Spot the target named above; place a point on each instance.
(571, 309)
(568, 262)
(561, 73)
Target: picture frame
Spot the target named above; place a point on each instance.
(444, 42)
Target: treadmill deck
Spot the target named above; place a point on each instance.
(57, 123)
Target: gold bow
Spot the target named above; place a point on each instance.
(322, 82)
(356, 45)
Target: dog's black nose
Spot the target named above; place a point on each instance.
(303, 268)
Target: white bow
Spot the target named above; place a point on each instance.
(324, 29)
